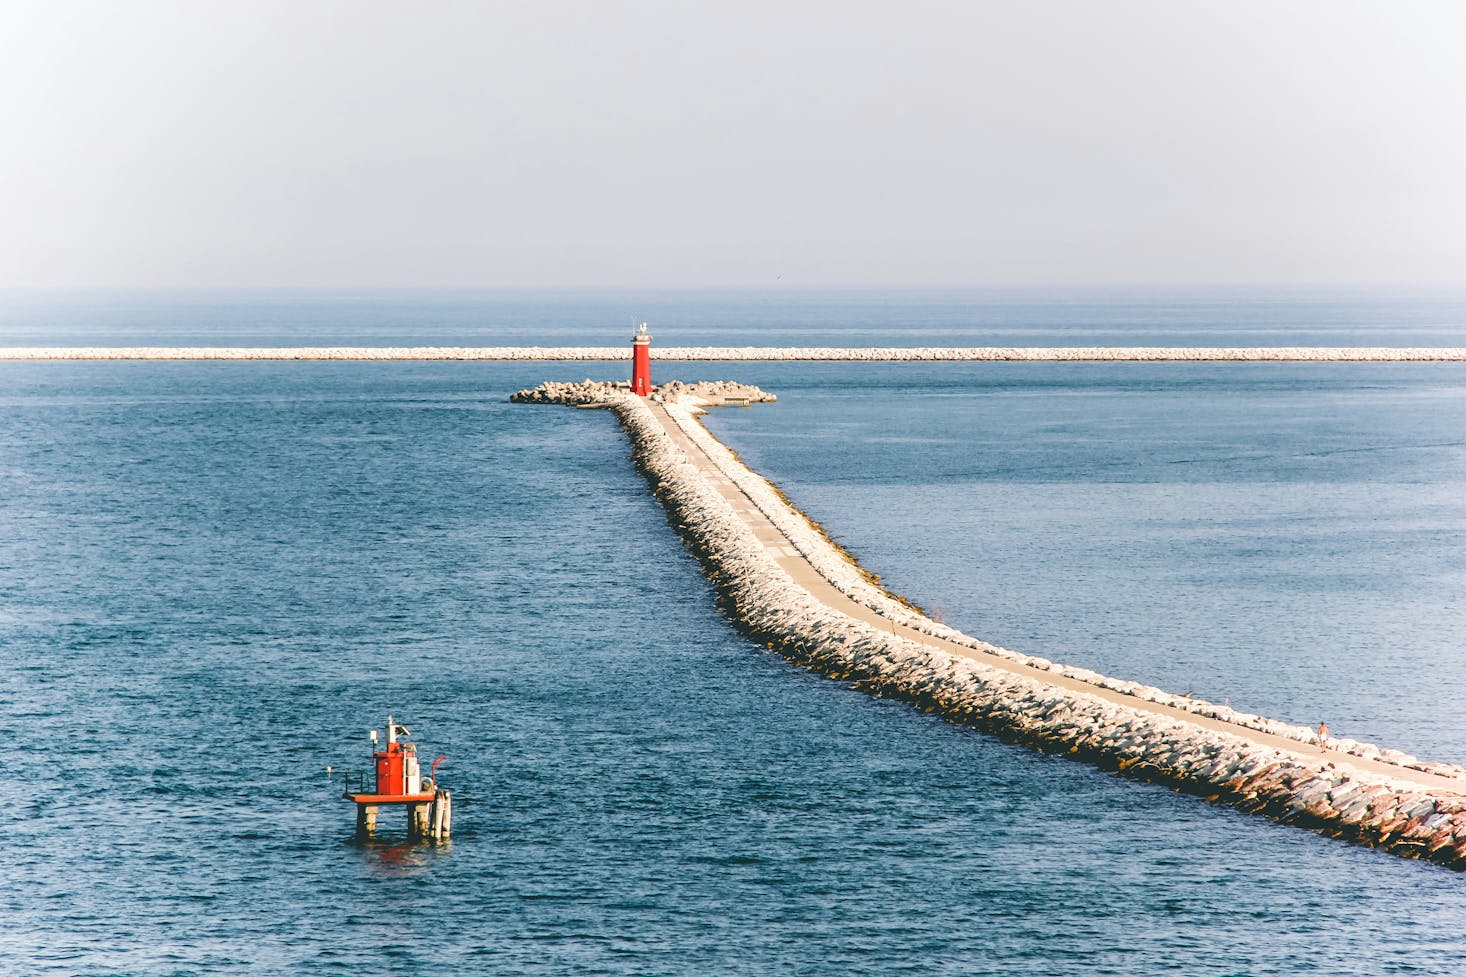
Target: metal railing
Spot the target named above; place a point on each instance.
(356, 781)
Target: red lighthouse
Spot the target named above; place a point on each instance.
(641, 362)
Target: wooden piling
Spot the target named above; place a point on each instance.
(417, 820)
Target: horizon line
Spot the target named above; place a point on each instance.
(749, 286)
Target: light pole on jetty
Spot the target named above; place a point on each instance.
(641, 362)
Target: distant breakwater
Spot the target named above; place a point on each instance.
(1355, 791)
(884, 354)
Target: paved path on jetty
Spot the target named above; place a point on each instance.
(806, 576)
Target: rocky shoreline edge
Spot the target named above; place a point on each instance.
(602, 393)
(883, 354)
(1307, 787)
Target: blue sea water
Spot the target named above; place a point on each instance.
(993, 316)
(1289, 537)
(214, 577)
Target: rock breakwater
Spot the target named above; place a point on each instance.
(702, 393)
(881, 354)
(784, 584)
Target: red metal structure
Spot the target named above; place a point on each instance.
(399, 780)
(641, 362)
(398, 773)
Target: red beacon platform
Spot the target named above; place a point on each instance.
(399, 780)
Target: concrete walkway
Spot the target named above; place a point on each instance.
(806, 576)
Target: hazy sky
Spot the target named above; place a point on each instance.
(562, 143)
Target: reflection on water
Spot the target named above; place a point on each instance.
(399, 857)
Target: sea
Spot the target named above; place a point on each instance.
(217, 577)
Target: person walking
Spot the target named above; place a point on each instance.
(1323, 736)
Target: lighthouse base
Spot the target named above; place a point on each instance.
(429, 814)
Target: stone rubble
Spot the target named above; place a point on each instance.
(573, 394)
(586, 393)
(713, 393)
(765, 602)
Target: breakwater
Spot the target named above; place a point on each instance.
(874, 354)
(587, 393)
(786, 585)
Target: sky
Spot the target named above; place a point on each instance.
(155, 143)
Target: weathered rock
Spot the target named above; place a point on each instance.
(601, 393)
(713, 393)
(584, 392)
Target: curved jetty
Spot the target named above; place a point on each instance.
(783, 582)
(875, 354)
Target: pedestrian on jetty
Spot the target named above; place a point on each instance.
(1323, 736)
